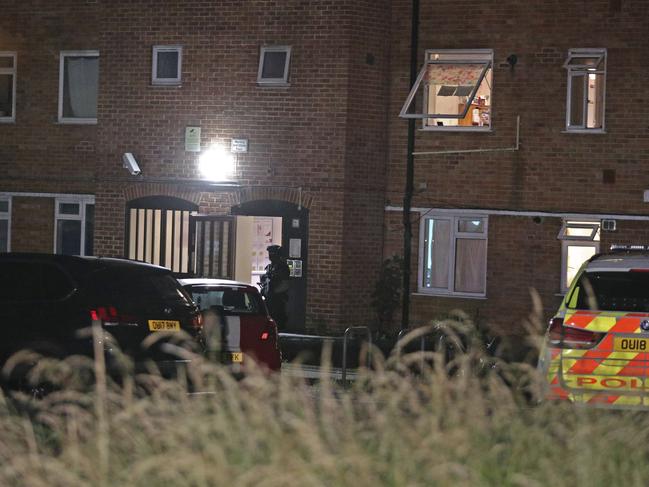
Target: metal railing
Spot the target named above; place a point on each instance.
(355, 330)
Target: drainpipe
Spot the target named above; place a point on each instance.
(410, 170)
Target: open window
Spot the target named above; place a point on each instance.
(453, 90)
(274, 62)
(167, 65)
(586, 89)
(579, 242)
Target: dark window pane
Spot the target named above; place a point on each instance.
(32, 281)
(4, 235)
(232, 301)
(90, 230)
(6, 62)
(167, 65)
(68, 237)
(4, 206)
(577, 100)
(274, 63)
(80, 82)
(131, 289)
(6, 95)
(69, 208)
(613, 291)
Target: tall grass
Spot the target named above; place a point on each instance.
(458, 424)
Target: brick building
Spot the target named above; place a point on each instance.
(310, 93)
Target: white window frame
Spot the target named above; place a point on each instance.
(7, 216)
(82, 201)
(154, 66)
(62, 56)
(12, 71)
(592, 240)
(481, 58)
(283, 81)
(574, 70)
(455, 235)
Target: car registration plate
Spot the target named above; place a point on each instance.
(233, 357)
(630, 344)
(164, 325)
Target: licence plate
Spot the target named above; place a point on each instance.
(164, 325)
(234, 357)
(626, 344)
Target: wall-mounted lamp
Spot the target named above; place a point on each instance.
(512, 59)
(130, 164)
(216, 164)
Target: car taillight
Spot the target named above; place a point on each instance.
(110, 316)
(566, 337)
(270, 332)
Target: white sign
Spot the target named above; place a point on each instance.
(295, 247)
(193, 139)
(239, 146)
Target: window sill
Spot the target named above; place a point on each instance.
(166, 85)
(7, 120)
(77, 122)
(456, 129)
(273, 84)
(456, 296)
(585, 131)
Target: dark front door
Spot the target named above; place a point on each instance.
(295, 231)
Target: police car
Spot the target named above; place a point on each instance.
(596, 349)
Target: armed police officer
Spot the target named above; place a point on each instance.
(274, 285)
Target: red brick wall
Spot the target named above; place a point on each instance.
(299, 136)
(552, 171)
(32, 224)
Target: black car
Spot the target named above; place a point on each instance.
(47, 301)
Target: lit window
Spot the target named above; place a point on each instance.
(7, 86)
(5, 224)
(74, 228)
(579, 242)
(454, 89)
(274, 62)
(453, 255)
(78, 86)
(586, 87)
(167, 65)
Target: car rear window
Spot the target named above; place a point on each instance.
(611, 291)
(128, 286)
(24, 281)
(231, 300)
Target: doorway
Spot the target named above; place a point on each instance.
(271, 222)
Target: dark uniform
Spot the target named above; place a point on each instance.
(275, 284)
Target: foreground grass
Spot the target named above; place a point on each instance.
(389, 428)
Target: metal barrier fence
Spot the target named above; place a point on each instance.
(355, 330)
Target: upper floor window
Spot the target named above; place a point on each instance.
(78, 86)
(586, 89)
(167, 65)
(7, 86)
(75, 223)
(454, 88)
(274, 62)
(5, 223)
(453, 255)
